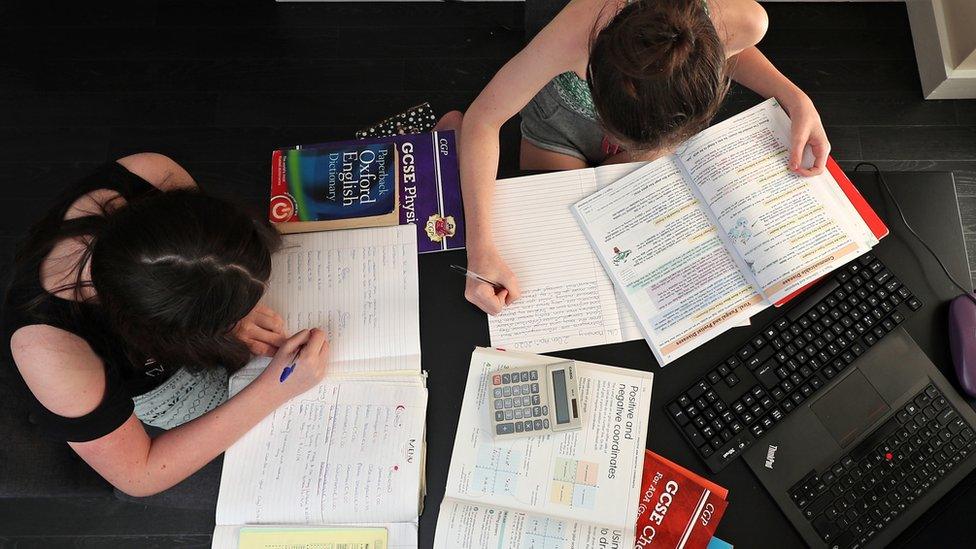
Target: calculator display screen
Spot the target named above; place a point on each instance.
(559, 396)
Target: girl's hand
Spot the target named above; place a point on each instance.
(307, 368)
(262, 330)
(807, 130)
(491, 266)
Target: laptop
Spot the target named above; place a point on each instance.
(841, 416)
(891, 436)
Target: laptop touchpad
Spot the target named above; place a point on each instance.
(849, 408)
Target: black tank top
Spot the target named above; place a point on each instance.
(124, 379)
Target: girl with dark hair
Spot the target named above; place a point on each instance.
(608, 81)
(130, 302)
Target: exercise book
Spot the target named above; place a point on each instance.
(350, 451)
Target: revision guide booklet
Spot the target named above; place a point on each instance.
(350, 451)
(702, 240)
(380, 181)
(571, 490)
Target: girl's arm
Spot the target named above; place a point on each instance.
(141, 466)
(754, 71)
(556, 49)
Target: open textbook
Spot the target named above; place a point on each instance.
(349, 451)
(570, 490)
(700, 241)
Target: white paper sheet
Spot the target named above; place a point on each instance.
(361, 286)
(567, 299)
(341, 453)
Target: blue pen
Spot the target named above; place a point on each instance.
(287, 370)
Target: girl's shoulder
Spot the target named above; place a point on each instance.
(61, 370)
(740, 23)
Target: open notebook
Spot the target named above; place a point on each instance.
(700, 241)
(350, 450)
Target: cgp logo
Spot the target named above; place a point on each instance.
(282, 208)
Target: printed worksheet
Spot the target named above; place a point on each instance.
(700, 241)
(567, 299)
(361, 287)
(559, 491)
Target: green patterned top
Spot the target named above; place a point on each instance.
(575, 92)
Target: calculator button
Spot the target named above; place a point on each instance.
(506, 378)
(508, 403)
(499, 416)
(498, 392)
(499, 404)
(524, 376)
(519, 427)
(545, 423)
(536, 400)
(545, 410)
(526, 412)
(535, 388)
(537, 424)
(504, 428)
(525, 389)
(507, 391)
(528, 425)
(526, 401)
(509, 415)
(496, 379)
(533, 375)
(536, 411)
(518, 414)
(516, 390)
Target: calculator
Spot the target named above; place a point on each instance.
(534, 400)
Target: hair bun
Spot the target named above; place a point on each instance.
(650, 38)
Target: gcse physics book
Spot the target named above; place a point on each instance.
(570, 490)
(700, 241)
(379, 181)
(351, 450)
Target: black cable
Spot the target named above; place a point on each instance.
(884, 185)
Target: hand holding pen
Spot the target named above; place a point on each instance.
(301, 363)
(491, 284)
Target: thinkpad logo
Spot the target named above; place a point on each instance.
(770, 456)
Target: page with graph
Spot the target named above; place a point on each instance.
(591, 475)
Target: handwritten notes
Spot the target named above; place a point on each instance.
(567, 299)
(358, 285)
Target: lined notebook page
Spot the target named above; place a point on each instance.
(340, 453)
(567, 299)
(361, 287)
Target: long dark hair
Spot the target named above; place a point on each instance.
(173, 272)
(657, 73)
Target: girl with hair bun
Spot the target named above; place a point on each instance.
(608, 82)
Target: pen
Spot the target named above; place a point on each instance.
(476, 276)
(287, 370)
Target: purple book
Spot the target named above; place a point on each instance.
(401, 179)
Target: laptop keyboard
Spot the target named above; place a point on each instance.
(853, 500)
(791, 360)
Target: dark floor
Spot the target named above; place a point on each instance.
(217, 86)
